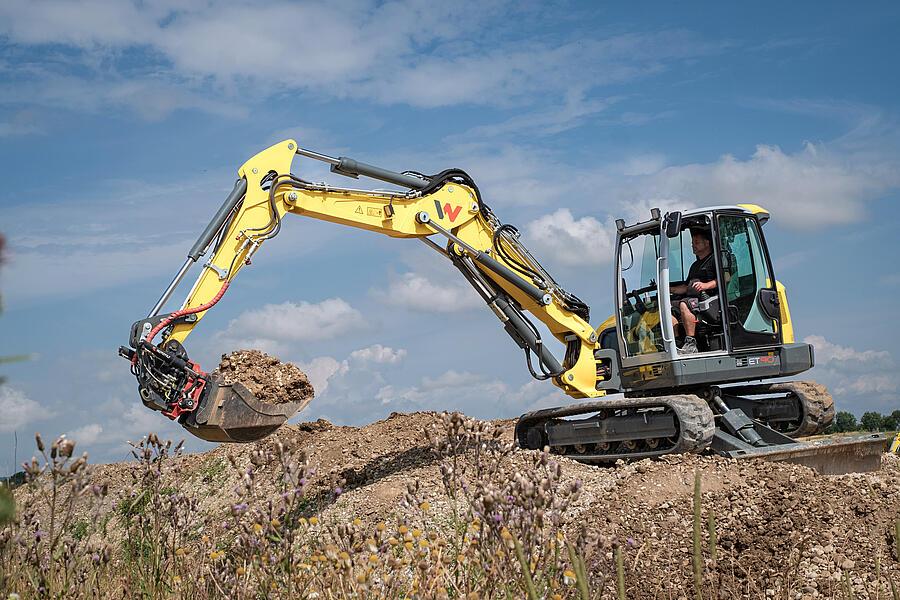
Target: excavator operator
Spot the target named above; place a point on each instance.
(701, 279)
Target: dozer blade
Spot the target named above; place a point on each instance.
(231, 413)
(827, 455)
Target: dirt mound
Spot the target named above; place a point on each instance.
(269, 379)
(782, 530)
(779, 526)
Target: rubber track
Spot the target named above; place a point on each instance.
(816, 401)
(695, 423)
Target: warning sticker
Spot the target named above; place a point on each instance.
(358, 210)
(373, 212)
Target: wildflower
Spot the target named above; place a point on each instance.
(373, 558)
(275, 523)
(257, 528)
(357, 522)
(393, 541)
(303, 522)
(403, 529)
(416, 533)
(240, 571)
(179, 552)
(408, 545)
(176, 580)
(380, 527)
(423, 543)
(569, 577)
(314, 520)
(216, 554)
(424, 505)
(65, 448)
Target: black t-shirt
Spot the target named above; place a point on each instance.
(703, 270)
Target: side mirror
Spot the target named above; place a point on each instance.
(673, 224)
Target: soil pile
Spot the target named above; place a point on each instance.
(782, 530)
(269, 379)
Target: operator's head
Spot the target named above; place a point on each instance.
(701, 242)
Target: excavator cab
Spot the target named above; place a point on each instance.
(742, 329)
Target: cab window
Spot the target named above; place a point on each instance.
(640, 303)
(747, 272)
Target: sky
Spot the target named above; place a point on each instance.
(122, 125)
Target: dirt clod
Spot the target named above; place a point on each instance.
(269, 379)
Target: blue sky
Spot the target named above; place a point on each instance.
(122, 125)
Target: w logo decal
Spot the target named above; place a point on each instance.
(451, 211)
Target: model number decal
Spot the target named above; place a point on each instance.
(753, 361)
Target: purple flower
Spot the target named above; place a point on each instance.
(39, 535)
(338, 491)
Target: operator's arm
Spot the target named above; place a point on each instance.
(700, 286)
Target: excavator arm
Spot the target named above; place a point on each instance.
(444, 210)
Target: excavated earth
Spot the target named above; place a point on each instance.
(269, 379)
(780, 526)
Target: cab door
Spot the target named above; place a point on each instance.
(751, 300)
(639, 325)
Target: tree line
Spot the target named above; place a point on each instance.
(870, 421)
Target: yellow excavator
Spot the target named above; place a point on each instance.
(726, 393)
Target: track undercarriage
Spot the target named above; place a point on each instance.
(750, 420)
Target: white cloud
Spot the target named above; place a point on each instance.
(830, 353)
(416, 292)
(473, 393)
(877, 384)
(321, 369)
(407, 51)
(280, 325)
(809, 189)
(859, 380)
(378, 354)
(570, 241)
(88, 434)
(18, 409)
(575, 110)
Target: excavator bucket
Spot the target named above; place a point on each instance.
(231, 413)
